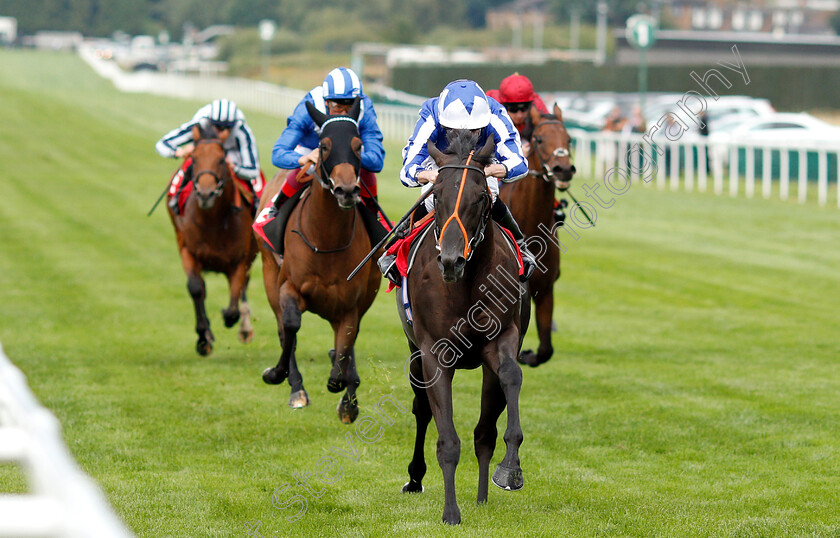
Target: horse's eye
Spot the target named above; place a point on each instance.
(538, 140)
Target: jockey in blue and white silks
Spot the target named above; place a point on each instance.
(463, 105)
(240, 146)
(297, 148)
(301, 134)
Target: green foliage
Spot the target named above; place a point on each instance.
(693, 391)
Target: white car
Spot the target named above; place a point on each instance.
(777, 127)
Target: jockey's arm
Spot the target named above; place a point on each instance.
(373, 153)
(247, 164)
(284, 155)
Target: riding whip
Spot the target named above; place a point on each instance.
(579, 206)
(149, 214)
(393, 231)
(375, 201)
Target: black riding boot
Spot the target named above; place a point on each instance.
(560, 213)
(502, 215)
(281, 197)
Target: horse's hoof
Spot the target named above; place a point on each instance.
(413, 487)
(246, 336)
(204, 347)
(336, 385)
(348, 409)
(452, 517)
(507, 478)
(272, 376)
(299, 399)
(230, 317)
(528, 358)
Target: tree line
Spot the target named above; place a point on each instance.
(402, 21)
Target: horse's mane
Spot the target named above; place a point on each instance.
(462, 142)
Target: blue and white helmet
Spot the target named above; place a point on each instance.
(463, 105)
(341, 83)
(223, 113)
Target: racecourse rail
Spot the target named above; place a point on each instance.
(693, 163)
(63, 502)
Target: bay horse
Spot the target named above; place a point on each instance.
(325, 239)
(531, 201)
(469, 310)
(214, 234)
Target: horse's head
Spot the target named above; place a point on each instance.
(462, 200)
(550, 145)
(340, 153)
(210, 171)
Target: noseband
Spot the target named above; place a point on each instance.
(545, 173)
(485, 214)
(220, 180)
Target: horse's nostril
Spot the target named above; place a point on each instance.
(460, 262)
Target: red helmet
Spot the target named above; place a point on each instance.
(516, 89)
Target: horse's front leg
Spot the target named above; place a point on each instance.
(448, 444)
(343, 373)
(492, 405)
(422, 415)
(508, 473)
(195, 286)
(288, 324)
(237, 282)
(246, 330)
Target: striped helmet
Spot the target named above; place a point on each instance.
(223, 113)
(342, 83)
(463, 105)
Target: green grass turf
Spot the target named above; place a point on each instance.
(693, 391)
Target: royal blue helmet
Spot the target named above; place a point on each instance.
(463, 105)
(223, 113)
(342, 83)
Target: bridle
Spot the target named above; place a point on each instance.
(478, 236)
(544, 172)
(220, 180)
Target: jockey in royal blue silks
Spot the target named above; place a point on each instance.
(463, 105)
(240, 146)
(297, 147)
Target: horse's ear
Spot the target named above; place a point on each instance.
(534, 115)
(224, 135)
(435, 153)
(558, 112)
(487, 150)
(317, 116)
(356, 109)
(196, 132)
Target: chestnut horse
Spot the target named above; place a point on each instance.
(531, 201)
(469, 310)
(214, 234)
(325, 239)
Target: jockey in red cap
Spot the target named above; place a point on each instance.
(517, 95)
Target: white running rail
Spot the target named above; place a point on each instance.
(396, 122)
(63, 502)
(696, 164)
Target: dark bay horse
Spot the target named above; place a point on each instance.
(531, 201)
(325, 239)
(214, 234)
(469, 310)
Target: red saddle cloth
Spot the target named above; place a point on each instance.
(402, 249)
(256, 186)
